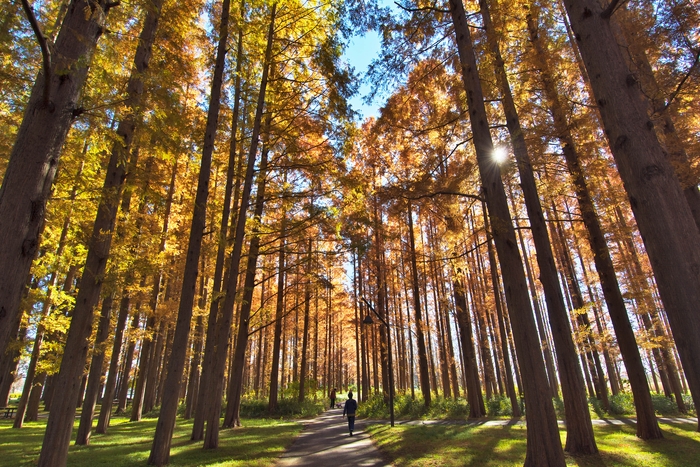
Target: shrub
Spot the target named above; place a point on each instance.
(286, 408)
(500, 406)
(622, 404)
(664, 405)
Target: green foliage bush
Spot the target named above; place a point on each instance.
(286, 408)
(406, 407)
(500, 406)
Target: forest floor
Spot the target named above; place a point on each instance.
(259, 442)
(491, 443)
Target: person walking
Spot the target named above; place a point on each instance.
(350, 409)
(332, 396)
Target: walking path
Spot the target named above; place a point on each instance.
(326, 441)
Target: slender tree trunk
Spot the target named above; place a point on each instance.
(580, 439)
(232, 417)
(543, 442)
(279, 313)
(647, 426)
(474, 396)
(305, 336)
(420, 339)
(503, 330)
(160, 451)
(223, 324)
(106, 407)
(96, 372)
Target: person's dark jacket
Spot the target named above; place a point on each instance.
(350, 407)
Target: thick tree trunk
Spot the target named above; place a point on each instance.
(9, 358)
(58, 430)
(34, 158)
(665, 221)
(543, 442)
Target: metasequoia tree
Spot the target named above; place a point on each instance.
(543, 444)
(654, 191)
(160, 451)
(579, 428)
(51, 108)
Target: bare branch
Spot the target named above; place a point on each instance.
(676, 91)
(45, 52)
(425, 8)
(444, 192)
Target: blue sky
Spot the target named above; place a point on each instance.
(361, 51)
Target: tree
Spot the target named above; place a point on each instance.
(653, 189)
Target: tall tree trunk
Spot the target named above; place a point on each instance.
(503, 330)
(110, 385)
(543, 442)
(223, 322)
(26, 187)
(474, 396)
(305, 336)
(96, 372)
(160, 451)
(580, 439)
(58, 430)
(420, 339)
(203, 400)
(663, 216)
(279, 313)
(235, 390)
(647, 426)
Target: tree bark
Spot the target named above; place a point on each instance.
(279, 312)
(235, 390)
(663, 216)
(160, 451)
(96, 372)
(474, 397)
(110, 385)
(34, 160)
(420, 339)
(305, 336)
(543, 442)
(647, 426)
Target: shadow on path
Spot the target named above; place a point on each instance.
(325, 441)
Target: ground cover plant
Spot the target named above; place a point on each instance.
(258, 442)
(502, 446)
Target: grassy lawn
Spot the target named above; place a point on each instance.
(258, 443)
(459, 445)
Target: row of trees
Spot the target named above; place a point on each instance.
(237, 198)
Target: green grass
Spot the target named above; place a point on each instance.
(257, 443)
(460, 445)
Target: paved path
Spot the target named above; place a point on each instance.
(325, 441)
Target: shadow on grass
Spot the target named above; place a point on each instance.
(483, 445)
(258, 443)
